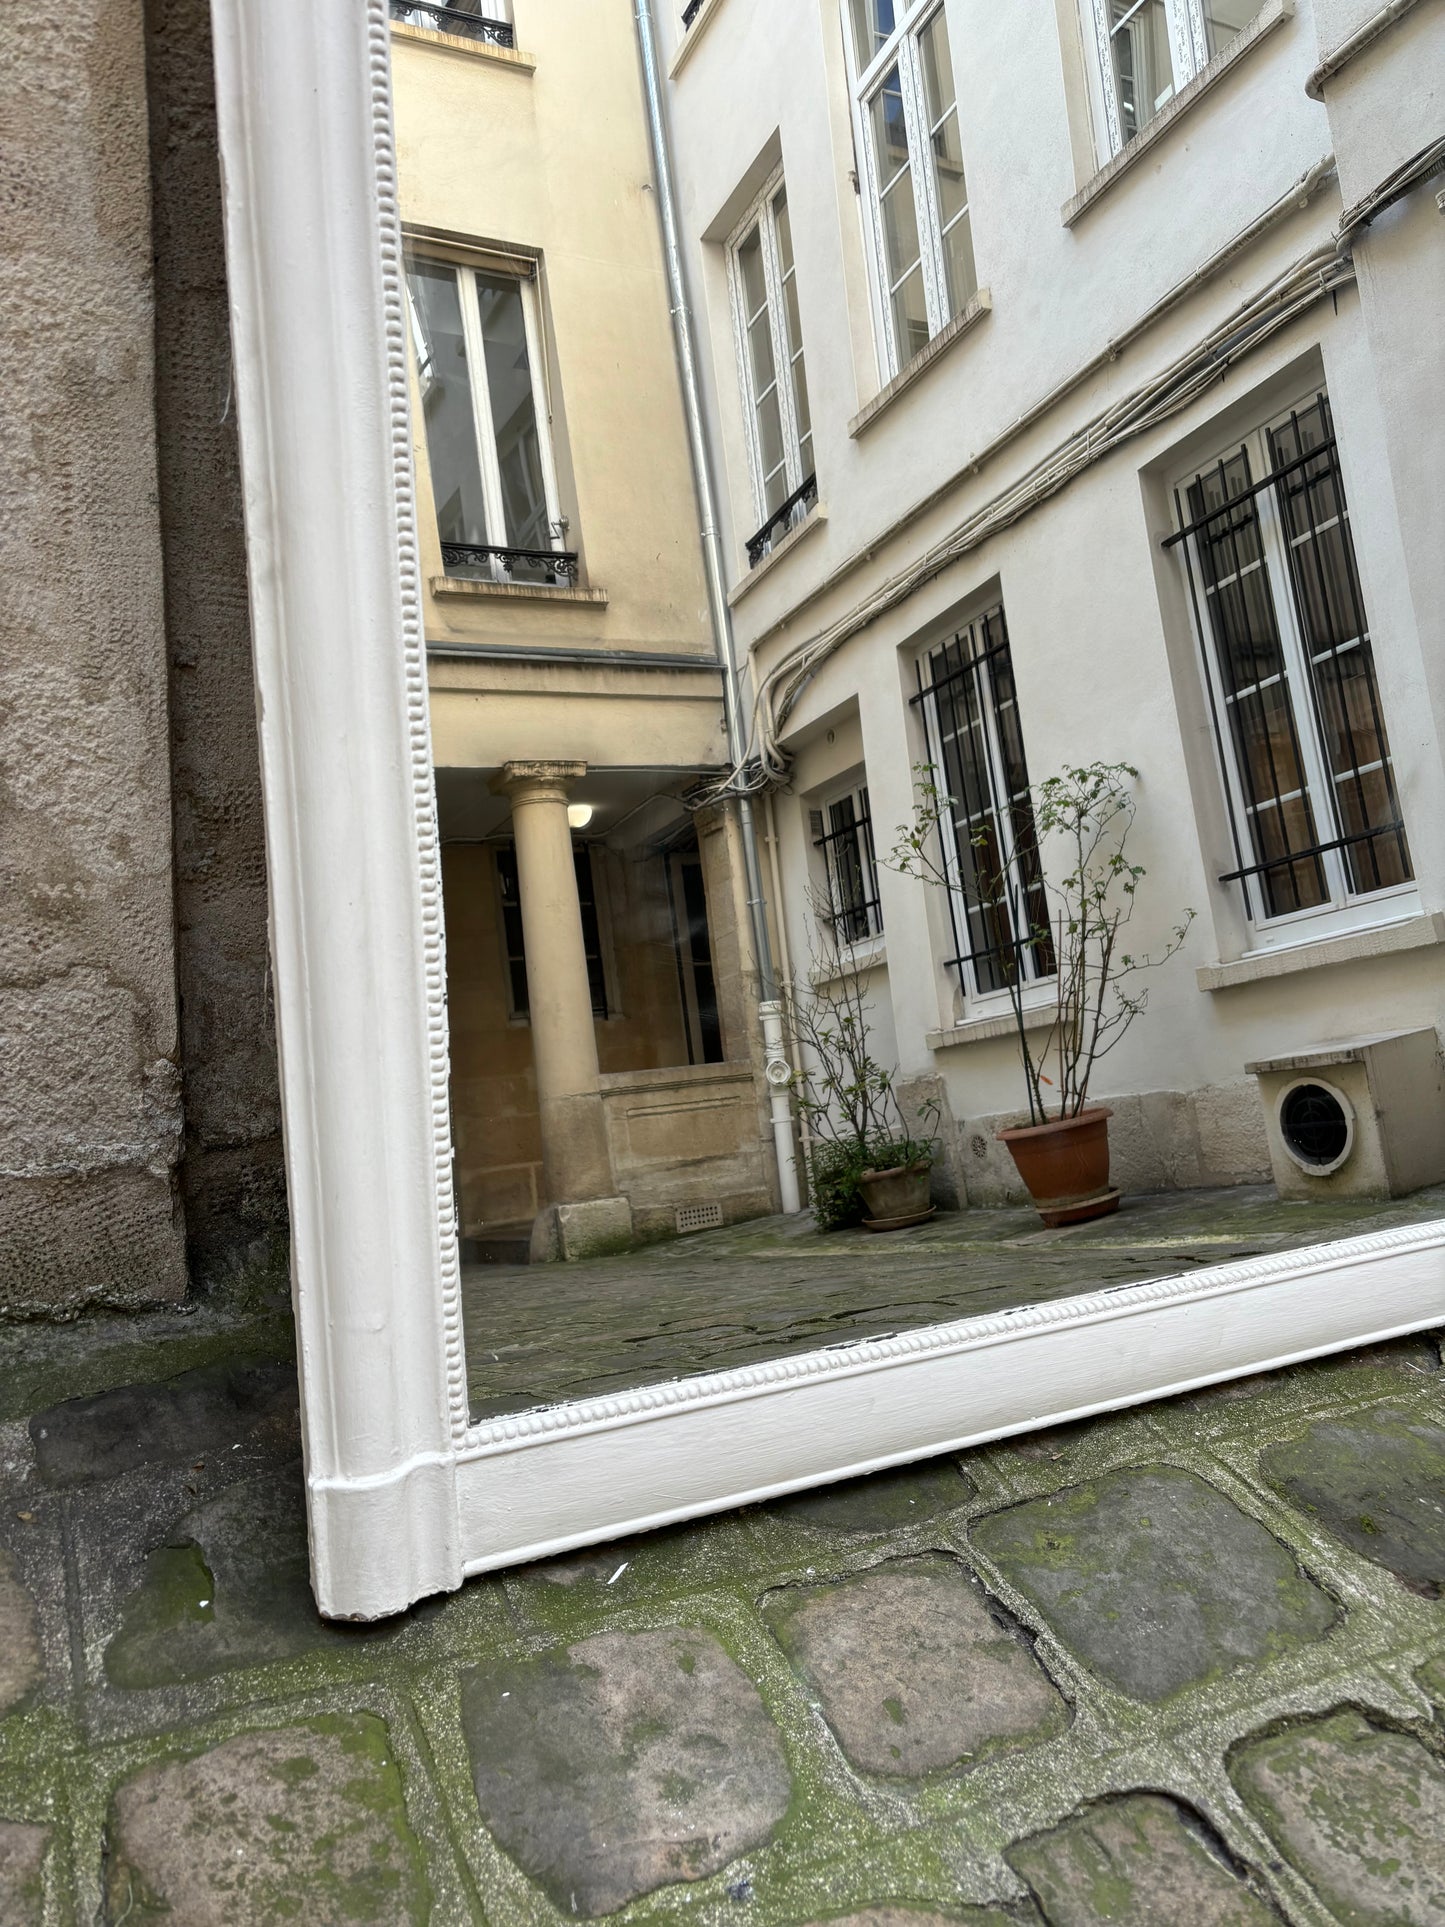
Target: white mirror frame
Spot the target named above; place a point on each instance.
(405, 1496)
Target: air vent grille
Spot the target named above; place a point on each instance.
(698, 1217)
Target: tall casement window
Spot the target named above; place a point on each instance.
(1149, 49)
(842, 833)
(912, 155)
(1265, 533)
(514, 943)
(770, 356)
(477, 340)
(990, 850)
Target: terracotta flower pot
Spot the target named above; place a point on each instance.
(1065, 1165)
(897, 1197)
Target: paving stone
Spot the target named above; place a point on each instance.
(1140, 1861)
(916, 1917)
(22, 1883)
(1156, 1579)
(229, 1588)
(626, 1762)
(208, 1410)
(882, 1502)
(913, 1672)
(304, 1822)
(21, 1666)
(1376, 1480)
(1359, 1811)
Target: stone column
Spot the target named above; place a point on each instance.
(582, 1211)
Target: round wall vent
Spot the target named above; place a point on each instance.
(1317, 1124)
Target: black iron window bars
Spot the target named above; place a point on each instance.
(843, 837)
(691, 11)
(785, 516)
(996, 901)
(557, 567)
(1316, 816)
(463, 20)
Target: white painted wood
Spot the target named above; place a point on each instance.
(404, 1496)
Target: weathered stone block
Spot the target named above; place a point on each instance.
(304, 1822)
(1377, 1480)
(1155, 1579)
(1141, 1861)
(1359, 1811)
(626, 1762)
(22, 1878)
(913, 1672)
(884, 1502)
(21, 1666)
(208, 1410)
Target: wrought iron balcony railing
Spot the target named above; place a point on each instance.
(534, 567)
(457, 20)
(785, 516)
(691, 11)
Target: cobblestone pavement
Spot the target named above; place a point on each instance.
(760, 1290)
(1180, 1665)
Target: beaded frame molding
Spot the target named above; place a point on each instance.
(405, 1496)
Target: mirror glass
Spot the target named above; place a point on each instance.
(733, 1038)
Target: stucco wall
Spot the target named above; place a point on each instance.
(89, 1102)
(232, 1180)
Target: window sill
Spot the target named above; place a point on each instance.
(1409, 933)
(691, 35)
(1273, 14)
(456, 585)
(982, 1030)
(872, 955)
(967, 318)
(815, 517)
(456, 43)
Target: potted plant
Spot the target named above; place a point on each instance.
(1080, 827)
(864, 1164)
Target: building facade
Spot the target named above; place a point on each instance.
(601, 986)
(1068, 370)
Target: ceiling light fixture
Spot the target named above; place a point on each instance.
(579, 815)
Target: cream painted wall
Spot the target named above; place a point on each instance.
(1106, 662)
(548, 155)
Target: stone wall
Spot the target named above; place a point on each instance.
(232, 1181)
(90, 1123)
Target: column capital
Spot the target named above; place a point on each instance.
(531, 781)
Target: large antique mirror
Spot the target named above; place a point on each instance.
(570, 900)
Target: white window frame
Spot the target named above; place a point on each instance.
(820, 836)
(1344, 909)
(1188, 49)
(762, 216)
(980, 997)
(406, 1495)
(902, 47)
(479, 388)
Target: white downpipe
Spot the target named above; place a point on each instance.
(770, 1009)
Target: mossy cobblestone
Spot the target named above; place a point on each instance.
(1255, 1736)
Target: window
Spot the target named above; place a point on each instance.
(489, 20)
(915, 192)
(478, 360)
(990, 851)
(775, 383)
(843, 837)
(1290, 669)
(514, 941)
(692, 947)
(1149, 49)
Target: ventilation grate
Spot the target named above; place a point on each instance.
(698, 1217)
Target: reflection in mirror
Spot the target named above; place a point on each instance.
(894, 904)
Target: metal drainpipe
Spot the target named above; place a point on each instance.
(770, 1009)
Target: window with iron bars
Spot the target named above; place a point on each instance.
(1290, 671)
(990, 850)
(843, 837)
